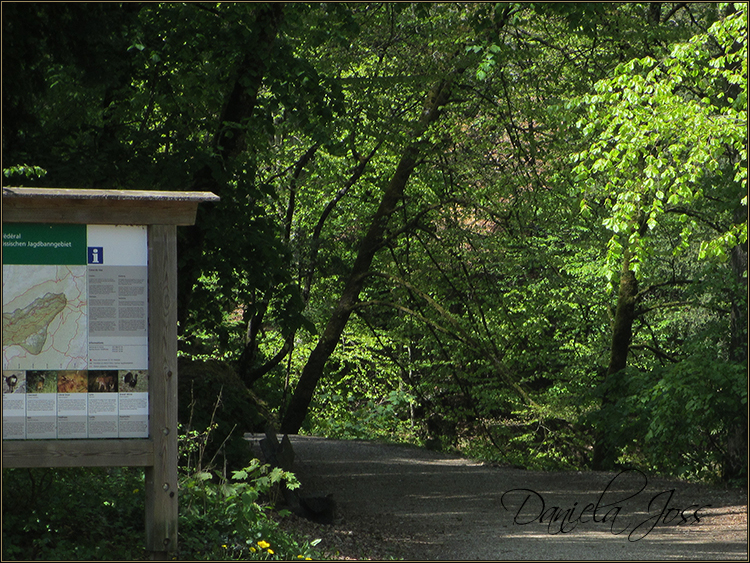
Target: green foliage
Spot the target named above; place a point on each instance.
(229, 520)
(549, 438)
(362, 396)
(225, 517)
(696, 405)
(106, 524)
(678, 420)
(24, 172)
(658, 128)
(351, 417)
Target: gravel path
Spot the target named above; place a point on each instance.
(411, 503)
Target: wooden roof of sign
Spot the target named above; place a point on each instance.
(113, 207)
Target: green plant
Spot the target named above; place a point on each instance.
(357, 414)
(229, 519)
(681, 419)
(24, 171)
(697, 405)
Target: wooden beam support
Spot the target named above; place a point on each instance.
(78, 453)
(101, 207)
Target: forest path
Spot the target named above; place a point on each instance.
(413, 503)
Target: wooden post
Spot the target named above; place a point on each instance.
(162, 212)
(161, 478)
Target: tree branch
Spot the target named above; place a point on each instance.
(656, 352)
(413, 313)
(315, 242)
(685, 211)
(298, 168)
(461, 334)
(674, 10)
(642, 293)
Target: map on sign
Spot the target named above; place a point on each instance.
(44, 317)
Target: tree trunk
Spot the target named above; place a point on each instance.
(738, 314)
(605, 453)
(623, 324)
(228, 143)
(735, 458)
(370, 244)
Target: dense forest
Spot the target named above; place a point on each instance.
(516, 230)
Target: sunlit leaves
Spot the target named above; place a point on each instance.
(24, 172)
(659, 129)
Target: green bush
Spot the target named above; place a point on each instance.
(228, 520)
(99, 514)
(697, 405)
(73, 514)
(347, 415)
(682, 419)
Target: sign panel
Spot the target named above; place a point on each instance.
(75, 331)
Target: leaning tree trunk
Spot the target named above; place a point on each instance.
(370, 244)
(605, 453)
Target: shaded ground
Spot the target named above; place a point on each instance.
(411, 503)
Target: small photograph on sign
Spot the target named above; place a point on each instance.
(14, 405)
(134, 381)
(41, 381)
(72, 381)
(102, 381)
(14, 382)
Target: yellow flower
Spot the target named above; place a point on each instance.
(300, 557)
(253, 549)
(263, 544)
(270, 551)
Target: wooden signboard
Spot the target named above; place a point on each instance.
(90, 335)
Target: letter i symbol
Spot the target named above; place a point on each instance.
(96, 255)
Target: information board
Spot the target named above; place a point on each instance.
(75, 331)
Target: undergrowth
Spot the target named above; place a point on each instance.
(99, 513)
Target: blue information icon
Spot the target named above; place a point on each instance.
(96, 255)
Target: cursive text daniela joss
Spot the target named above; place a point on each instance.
(620, 511)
